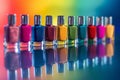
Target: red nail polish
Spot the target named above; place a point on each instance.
(91, 28)
(11, 32)
(50, 31)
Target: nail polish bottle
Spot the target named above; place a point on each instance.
(62, 31)
(72, 30)
(101, 51)
(38, 60)
(82, 29)
(50, 31)
(62, 56)
(11, 32)
(92, 55)
(50, 59)
(109, 52)
(12, 63)
(82, 56)
(38, 32)
(91, 29)
(25, 31)
(72, 57)
(100, 28)
(26, 62)
(109, 28)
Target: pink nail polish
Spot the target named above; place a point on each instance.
(100, 28)
(11, 32)
(25, 31)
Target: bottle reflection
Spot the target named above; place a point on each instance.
(82, 56)
(92, 60)
(62, 54)
(12, 63)
(38, 60)
(50, 59)
(101, 51)
(72, 57)
(26, 62)
(109, 52)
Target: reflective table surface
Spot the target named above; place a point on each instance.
(93, 61)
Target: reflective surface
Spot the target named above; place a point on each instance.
(93, 61)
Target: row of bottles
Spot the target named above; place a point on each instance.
(81, 56)
(40, 35)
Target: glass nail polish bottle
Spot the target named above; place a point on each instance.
(92, 55)
(101, 51)
(11, 32)
(26, 62)
(82, 56)
(61, 31)
(50, 31)
(50, 59)
(12, 63)
(109, 28)
(72, 30)
(82, 29)
(38, 32)
(62, 56)
(25, 31)
(100, 28)
(72, 57)
(109, 52)
(38, 60)
(91, 29)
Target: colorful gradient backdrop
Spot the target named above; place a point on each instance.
(54, 8)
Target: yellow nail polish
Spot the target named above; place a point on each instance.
(61, 31)
(109, 28)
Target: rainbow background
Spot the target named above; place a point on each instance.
(54, 8)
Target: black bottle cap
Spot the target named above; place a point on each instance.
(60, 20)
(71, 20)
(61, 68)
(91, 20)
(24, 19)
(11, 19)
(37, 71)
(81, 20)
(48, 20)
(37, 20)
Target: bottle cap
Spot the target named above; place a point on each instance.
(110, 20)
(61, 68)
(11, 19)
(24, 19)
(49, 69)
(81, 20)
(48, 20)
(91, 20)
(99, 20)
(37, 71)
(60, 20)
(71, 20)
(37, 20)
(25, 73)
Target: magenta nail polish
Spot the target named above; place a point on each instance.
(101, 50)
(11, 32)
(25, 31)
(100, 28)
(26, 62)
